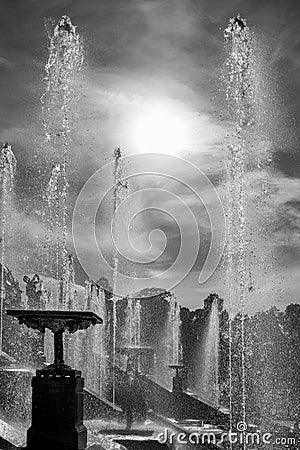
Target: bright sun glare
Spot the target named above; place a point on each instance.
(160, 132)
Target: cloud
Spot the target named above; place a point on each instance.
(141, 54)
(4, 62)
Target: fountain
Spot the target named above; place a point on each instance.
(95, 352)
(63, 65)
(85, 350)
(57, 390)
(209, 376)
(203, 377)
(133, 321)
(58, 102)
(152, 321)
(238, 39)
(119, 186)
(53, 222)
(7, 171)
(175, 323)
(134, 354)
(57, 416)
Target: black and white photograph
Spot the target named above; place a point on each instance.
(149, 225)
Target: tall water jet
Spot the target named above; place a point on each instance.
(52, 218)
(163, 313)
(94, 355)
(238, 40)
(7, 172)
(149, 321)
(64, 63)
(133, 321)
(203, 379)
(118, 189)
(175, 324)
(210, 367)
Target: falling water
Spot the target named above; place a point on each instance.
(175, 324)
(94, 355)
(118, 192)
(7, 171)
(70, 287)
(238, 40)
(137, 323)
(129, 320)
(64, 63)
(210, 364)
(131, 337)
(133, 322)
(53, 223)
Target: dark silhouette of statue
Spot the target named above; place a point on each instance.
(32, 291)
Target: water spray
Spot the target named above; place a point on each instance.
(238, 40)
(8, 164)
(119, 185)
(63, 65)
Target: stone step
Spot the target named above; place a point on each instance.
(10, 437)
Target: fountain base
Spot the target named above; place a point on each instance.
(57, 391)
(57, 411)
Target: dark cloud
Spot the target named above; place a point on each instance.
(288, 162)
(290, 217)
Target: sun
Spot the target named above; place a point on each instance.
(160, 131)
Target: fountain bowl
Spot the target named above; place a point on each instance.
(56, 321)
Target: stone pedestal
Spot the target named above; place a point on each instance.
(177, 385)
(57, 391)
(57, 412)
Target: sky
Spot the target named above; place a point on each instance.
(151, 82)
